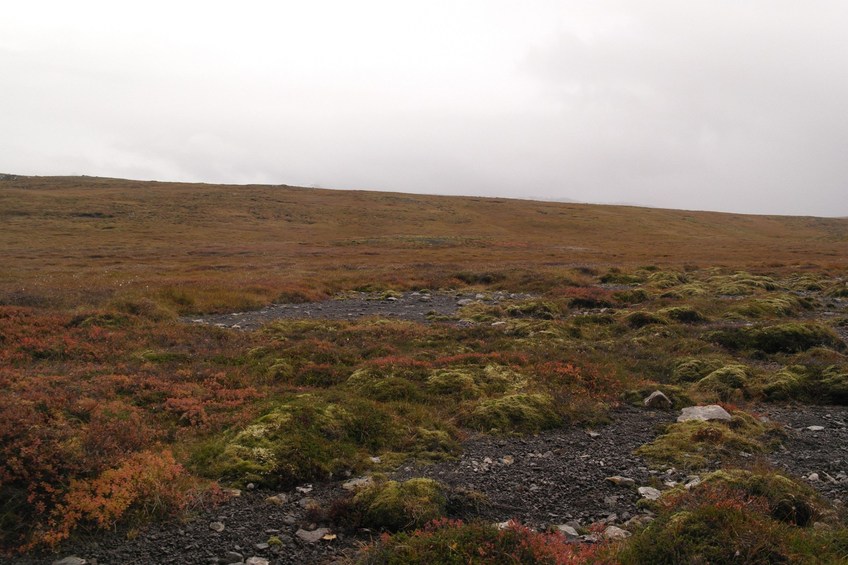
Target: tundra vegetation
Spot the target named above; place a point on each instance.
(114, 410)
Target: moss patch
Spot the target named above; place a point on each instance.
(520, 412)
(697, 445)
(683, 314)
(304, 438)
(788, 501)
(726, 382)
(394, 506)
(781, 338)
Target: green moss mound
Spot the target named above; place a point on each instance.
(737, 516)
(683, 314)
(787, 384)
(452, 542)
(696, 445)
(304, 438)
(782, 338)
(666, 279)
(638, 320)
(707, 534)
(393, 505)
(691, 369)
(521, 412)
(807, 383)
(726, 382)
(460, 383)
(783, 305)
(788, 501)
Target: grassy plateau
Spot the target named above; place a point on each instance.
(114, 410)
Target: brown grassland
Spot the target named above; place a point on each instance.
(113, 411)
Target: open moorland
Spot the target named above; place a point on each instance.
(269, 374)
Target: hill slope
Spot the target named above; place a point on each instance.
(112, 234)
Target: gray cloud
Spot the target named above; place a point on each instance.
(735, 106)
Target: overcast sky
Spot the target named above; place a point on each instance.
(727, 105)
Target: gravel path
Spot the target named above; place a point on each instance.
(414, 306)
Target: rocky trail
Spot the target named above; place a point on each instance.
(562, 477)
(421, 307)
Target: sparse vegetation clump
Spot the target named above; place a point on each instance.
(638, 320)
(520, 412)
(395, 506)
(455, 542)
(300, 439)
(737, 517)
(683, 314)
(781, 338)
(693, 369)
(726, 383)
(698, 444)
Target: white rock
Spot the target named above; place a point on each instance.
(312, 536)
(813, 477)
(357, 483)
(704, 413)
(71, 560)
(815, 428)
(256, 561)
(693, 483)
(277, 499)
(569, 532)
(649, 492)
(621, 481)
(614, 532)
(216, 526)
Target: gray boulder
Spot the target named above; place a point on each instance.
(704, 413)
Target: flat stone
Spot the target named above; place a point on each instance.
(615, 533)
(71, 560)
(277, 499)
(312, 536)
(703, 413)
(650, 493)
(815, 428)
(569, 532)
(692, 483)
(256, 561)
(357, 483)
(261, 546)
(233, 557)
(216, 526)
(621, 481)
